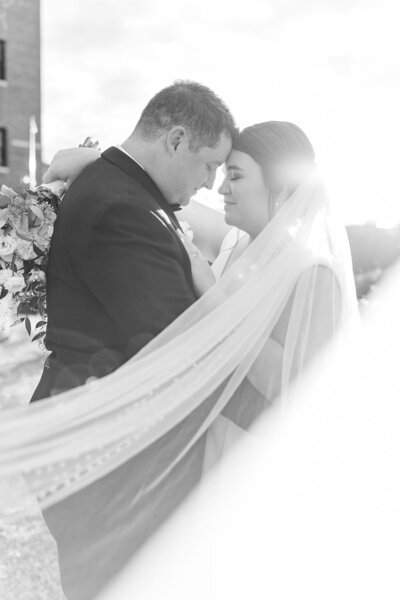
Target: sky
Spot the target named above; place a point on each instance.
(330, 66)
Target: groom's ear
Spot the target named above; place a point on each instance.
(176, 138)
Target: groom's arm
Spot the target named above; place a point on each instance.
(134, 268)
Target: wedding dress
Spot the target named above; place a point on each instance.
(137, 433)
(230, 242)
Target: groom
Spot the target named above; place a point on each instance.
(118, 275)
(118, 272)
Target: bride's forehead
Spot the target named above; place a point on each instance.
(239, 159)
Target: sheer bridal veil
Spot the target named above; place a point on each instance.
(190, 371)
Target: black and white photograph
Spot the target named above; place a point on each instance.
(199, 300)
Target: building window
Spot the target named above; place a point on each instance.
(3, 147)
(2, 59)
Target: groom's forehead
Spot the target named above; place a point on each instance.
(222, 150)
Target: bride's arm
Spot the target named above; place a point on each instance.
(208, 226)
(67, 164)
(203, 277)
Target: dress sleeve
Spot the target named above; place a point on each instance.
(134, 268)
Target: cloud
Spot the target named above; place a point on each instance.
(328, 65)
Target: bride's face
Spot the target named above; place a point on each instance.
(246, 196)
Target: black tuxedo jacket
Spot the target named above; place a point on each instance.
(118, 273)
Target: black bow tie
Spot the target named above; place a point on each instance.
(175, 207)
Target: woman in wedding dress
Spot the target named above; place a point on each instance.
(267, 164)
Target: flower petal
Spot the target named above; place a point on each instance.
(8, 192)
(37, 211)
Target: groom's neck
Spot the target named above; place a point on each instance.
(151, 156)
(141, 151)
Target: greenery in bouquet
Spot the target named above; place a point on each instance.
(26, 227)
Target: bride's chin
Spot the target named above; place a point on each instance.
(229, 220)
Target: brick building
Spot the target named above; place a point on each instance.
(19, 89)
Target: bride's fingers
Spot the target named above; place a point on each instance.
(48, 176)
(55, 172)
(59, 169)
(68, 163)
(58, 186)
(191, 248)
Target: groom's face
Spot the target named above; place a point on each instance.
(195, 169)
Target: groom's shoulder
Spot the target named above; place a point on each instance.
(100, 176)
(104, 183)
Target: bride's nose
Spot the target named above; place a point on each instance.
(224, 187)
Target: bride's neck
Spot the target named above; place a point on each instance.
(255, 231)
(249, 237)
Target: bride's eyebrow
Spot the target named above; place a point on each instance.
(233, 168)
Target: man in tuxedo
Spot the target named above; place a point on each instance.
(118, 272)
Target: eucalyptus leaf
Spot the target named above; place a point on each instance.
(28, 325)
(38, 336)
(17, 322)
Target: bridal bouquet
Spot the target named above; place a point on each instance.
(26, 227)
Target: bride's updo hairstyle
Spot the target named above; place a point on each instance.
(282, 150)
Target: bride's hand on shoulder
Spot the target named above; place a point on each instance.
(67, 164)
(203, 276)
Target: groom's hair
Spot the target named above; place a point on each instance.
(190, 105)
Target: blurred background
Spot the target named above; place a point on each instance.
(72, 69)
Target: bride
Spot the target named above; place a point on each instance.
(280, 287)
(268, 162)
